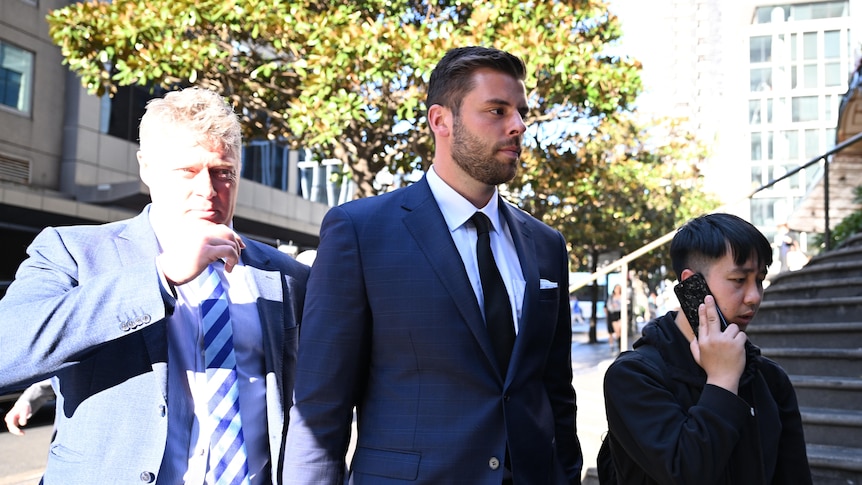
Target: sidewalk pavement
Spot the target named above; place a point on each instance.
(589, 363)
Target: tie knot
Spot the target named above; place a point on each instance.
(210, 283)
(482, 223)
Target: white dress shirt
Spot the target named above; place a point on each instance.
(187, 448)
(457, 212)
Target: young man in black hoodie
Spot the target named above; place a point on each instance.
(707, 409)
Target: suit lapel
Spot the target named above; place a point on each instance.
(270, 303)
(525, 246)
(425, 223)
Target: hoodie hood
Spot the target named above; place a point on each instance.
(663, 334)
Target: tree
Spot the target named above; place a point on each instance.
(617, 186)
(346, 80)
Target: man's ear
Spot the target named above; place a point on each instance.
(686, 273)
(440, 120)
(143, 168)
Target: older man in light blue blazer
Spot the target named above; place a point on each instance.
(109, 311)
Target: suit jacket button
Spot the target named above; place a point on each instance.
(147, 477)
(494, 463)
(146, 319)
(124, 326)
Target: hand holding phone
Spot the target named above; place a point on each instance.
(691, 292)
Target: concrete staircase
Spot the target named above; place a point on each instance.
(810, 322)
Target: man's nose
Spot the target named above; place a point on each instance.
(753, 294)
(204, 184)
(518, 125)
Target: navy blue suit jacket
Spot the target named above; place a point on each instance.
(392, 326)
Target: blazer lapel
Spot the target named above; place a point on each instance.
(270, 304)
(425, 223)
(525, 246)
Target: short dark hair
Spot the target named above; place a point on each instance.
(705, 239)
(452, 78)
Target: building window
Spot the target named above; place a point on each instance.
(812, 143)
(760, 49)
(800, 11)
(761, 79)
(267, 162)
(325, 182)
(755, 114)
(756, 176)
(125, 110)
(804, 108)
(16, 77)
(791, 144)
(763, 212)
(756, 146)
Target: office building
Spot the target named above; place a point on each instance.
(67, 157)
(761, 84)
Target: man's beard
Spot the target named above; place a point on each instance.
(476, 158)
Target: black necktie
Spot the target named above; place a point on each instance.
(498, 311)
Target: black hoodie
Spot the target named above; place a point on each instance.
(667, 426)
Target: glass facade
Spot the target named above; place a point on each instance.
(798, 62)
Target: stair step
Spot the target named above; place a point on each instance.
(818, 335)
(827, 391)
(833, 427)
(826, 310)
(836, 457)
(839, 264)
(812, 327)
(837, 417)
(809, 285)
(811, 361)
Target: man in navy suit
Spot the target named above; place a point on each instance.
(395, 321)
(113, 312)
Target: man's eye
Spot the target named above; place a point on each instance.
(224, 174)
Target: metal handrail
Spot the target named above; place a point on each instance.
(622, 263)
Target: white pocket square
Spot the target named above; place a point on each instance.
(547, 285)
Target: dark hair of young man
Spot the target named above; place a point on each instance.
(707, 238)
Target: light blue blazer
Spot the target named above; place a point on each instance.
(392, 326)
(87, 306)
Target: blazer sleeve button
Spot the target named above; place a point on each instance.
(494, 463)
(147, 477)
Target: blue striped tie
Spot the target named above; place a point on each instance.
(228, 460)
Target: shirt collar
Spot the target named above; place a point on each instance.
(455, 208)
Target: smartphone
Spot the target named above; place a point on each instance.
(691, 292)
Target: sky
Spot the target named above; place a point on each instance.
(639, 41)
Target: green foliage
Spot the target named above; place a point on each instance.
(848, 226)
(346, 80)
(612, 191)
